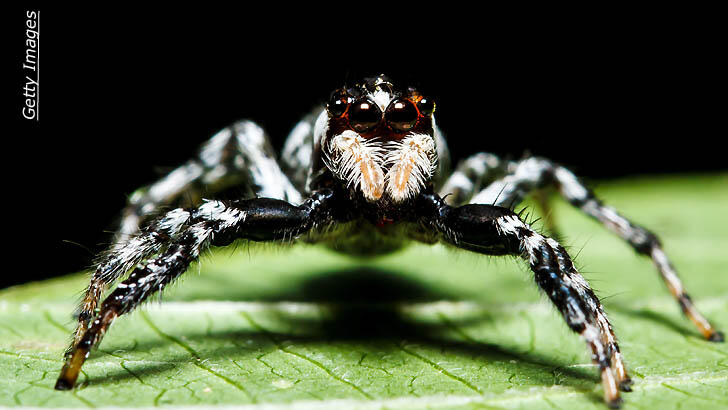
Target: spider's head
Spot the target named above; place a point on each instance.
(380, 139)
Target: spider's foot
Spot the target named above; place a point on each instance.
(71, 369)
(62, 384)
(611, 391)
(716, 336)
(626, 385)
(615, 403)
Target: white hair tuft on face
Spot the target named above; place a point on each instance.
(412, 162)
(357, 161)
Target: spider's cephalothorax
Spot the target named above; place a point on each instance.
(379, 139)
(364, 175)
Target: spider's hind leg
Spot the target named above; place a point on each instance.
(296, 156)
(238, 157)
(538, 173)
(470, 176)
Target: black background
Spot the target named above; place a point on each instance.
(128, 95)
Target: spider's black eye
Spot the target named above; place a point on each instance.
(426, 106)
(401, 115)
(337, 103)
(364, 115)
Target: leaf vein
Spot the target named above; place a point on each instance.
(198, 360)
(440, 369)
(314, 362)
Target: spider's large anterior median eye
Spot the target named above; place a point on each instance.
(401, 115)
(337, 103)
(364, 115)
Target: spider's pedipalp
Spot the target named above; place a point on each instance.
(412, 162)
(358, 162)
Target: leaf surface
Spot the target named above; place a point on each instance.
(427, 327)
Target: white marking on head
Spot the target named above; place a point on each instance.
(382, 98)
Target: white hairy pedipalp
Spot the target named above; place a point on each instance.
(362, 163)
(358, 161)
(412, 162)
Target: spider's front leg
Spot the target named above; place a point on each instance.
(214, 223)
(535, 173)
(495, 230)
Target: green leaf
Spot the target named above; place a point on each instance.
(428, 327)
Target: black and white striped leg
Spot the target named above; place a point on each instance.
(522, 178)
(470, 175)
(124, 256)
(535, 173)
(298, 148)
(498, 231)
(215, 223)
(238, 156)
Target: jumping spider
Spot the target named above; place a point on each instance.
(365, 175)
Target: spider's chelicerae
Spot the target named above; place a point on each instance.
(364, 175)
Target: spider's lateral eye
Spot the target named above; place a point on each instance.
(364, 115)
(338, 103)
(426, 106)
(401, 115)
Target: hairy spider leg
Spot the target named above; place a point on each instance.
(214, 223)
(471, 175)
(480, 170)
(238, 156)
(124, 256)
(296, 154)
(535, 173)
(498, 231)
